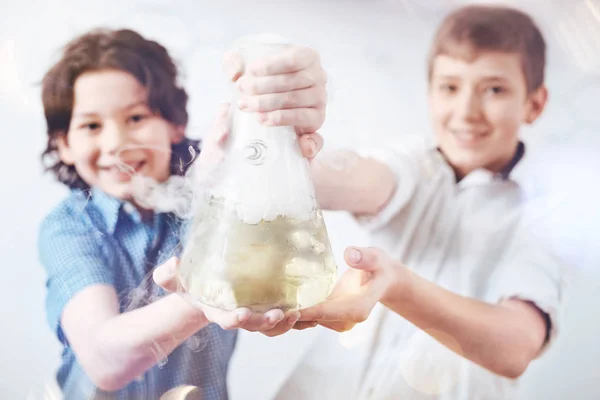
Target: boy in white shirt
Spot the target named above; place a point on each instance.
(470, 298)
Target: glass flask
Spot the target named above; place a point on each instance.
(257, 238)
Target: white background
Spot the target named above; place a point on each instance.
(375, 54)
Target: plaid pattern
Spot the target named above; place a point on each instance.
(91, 238)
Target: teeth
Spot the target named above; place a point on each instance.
(467, 135)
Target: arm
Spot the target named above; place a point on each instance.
(116, 348)
(503, 338)
(358, 185)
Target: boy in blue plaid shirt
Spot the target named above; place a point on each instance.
(112, 101)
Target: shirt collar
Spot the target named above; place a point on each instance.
(112, 209)
(483, 175)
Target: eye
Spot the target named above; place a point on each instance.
(496, 89)
(448, 88)
(90, 126)
(135, 118)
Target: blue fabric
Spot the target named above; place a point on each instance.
(91, 238)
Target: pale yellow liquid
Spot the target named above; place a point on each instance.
(284, 263)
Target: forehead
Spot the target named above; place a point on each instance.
(482, 65)
(106, 91)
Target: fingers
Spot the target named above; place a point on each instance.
(304, 119)
(293, 59)
(351, 310)
(255, 85)
(283, 326)
(311, 144)
(166, 275)
(301, 325)
(244, 318)
(227, 320)
(314, 97)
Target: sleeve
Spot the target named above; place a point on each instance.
(406, 172)
(531, 272)
(73, 258)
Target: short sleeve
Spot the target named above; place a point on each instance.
(406, 174)
(73, 258)
(531, 272)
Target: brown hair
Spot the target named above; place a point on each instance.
(125, 50)
(472, 29)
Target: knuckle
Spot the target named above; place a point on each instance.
(257, 103)
(310, 79)
(321, 100)
(252, 86)
(314, 54)
(290, 60)
(291, 100)
(276, 117)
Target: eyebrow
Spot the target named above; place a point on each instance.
(125, 108)
(487, 78)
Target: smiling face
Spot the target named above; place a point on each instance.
(113, 134)
(477, 108)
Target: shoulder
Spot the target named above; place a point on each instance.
(67, 228)
(71, 211)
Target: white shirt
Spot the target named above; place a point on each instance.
(468, 237)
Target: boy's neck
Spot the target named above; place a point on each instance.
(504, 171)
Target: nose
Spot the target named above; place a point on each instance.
(469, 107)
(113, 138)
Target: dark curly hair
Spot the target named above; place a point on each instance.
(125, 50)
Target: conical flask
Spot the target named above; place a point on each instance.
(258, 238)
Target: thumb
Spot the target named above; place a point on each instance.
(221, 125)
(233, 65)
(166, 275)
(366, 258)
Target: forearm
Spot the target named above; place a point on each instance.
(500, 338)
(348, 182)
(131, 343)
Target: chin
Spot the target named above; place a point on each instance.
(119, 191)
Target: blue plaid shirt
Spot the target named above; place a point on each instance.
(91, 238)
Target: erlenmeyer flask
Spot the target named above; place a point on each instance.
(258, 239)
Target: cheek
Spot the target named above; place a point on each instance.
(505, 117)
(439, 112)
(157, 143)
(85, 151)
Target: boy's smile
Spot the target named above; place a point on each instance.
(478, 107)
(114, 135)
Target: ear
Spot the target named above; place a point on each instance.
(537, 102)
(64, 151)
(177, 134)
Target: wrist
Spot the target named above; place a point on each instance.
(399, 291)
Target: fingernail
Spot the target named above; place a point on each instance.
(271, 319)
(261, 117)
(243, 315)
(238, 84)
(312, 146)
(354, 255)
(242, 103)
